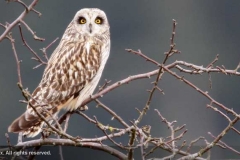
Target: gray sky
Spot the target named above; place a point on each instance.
(205, 29)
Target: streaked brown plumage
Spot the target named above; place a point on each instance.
(73, 71)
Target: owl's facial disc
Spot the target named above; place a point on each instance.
(91, 22)
(92, 25)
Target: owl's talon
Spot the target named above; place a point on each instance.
(83, 108)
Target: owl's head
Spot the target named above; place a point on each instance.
(91, 22)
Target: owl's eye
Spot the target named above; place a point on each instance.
(82, 20)
(98, 20)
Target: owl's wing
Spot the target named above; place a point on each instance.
(67, 73)
(69, 69)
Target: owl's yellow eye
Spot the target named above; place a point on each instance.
(98, 20)
(82, 20)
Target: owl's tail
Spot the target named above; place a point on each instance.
(31, 125)
(28, 124)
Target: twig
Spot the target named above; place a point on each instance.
(158, 144)
(100, 139)
(214, 61)
(210, 80)
(23, 4)
(141, 143)
(44, 50)
(52, 117)
(225, 145)
(3, 26)
(201, 69)
(237, 131)
(85, 116)
(16, 21)
(193, 142)
(131, 143)
(32, 32)
(100, 126)
(160, 72)
(20, 137)
(179, 128)
(66, 123)
(61, 153)
(8, 141)
(67, 142)
(112, 113)
(26, 7)
(238, 66)
(36, 57)
(178, 137)
(218, 111)
(16, 58)
(104, 85)
(170, 126)
(143, 55)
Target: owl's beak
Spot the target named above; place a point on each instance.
(90, 28)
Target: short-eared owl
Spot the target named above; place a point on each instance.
(73, 70)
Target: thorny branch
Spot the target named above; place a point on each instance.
(139, 137)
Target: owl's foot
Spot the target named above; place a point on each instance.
(83, 108)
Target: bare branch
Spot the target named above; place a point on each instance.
(112, 113)
(67, 142)
(225, 145)
(142, 55)
(16, 21)
(193, 142)
(214, 61)
(36, 57)
(16, 58)
(160, 72)
(31, 31)
(44, 50)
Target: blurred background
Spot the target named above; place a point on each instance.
(205, 29)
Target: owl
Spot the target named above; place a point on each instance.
(72, 73)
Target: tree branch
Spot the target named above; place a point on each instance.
(16, 21)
